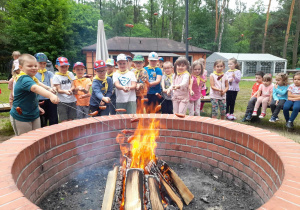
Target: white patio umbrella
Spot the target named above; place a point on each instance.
(101, 49)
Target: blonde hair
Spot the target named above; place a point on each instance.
(201, 60)
(16, 53)
(296, 74)
(197, 63)
(168, 63)
(236, 64)
(25, 57)
(267, 78)
(219, 61)
(284, 77)
(179, 61)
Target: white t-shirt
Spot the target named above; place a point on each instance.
(124, 80)
(65, 84)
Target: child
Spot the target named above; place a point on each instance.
(102, 89)
(279, 95)
(197, 75)
(14, 61)
(166, 84)
(234, 78)
(155, 75)
(264, 96)
(125, 83)
(141, 75)
(160, 62)
(251, 103)
(181, 86)
(45, 77)
(129, 62)
(12, 82)
(110, 67)
(218, 88)
(64, 83)
(204, 80)
(293, 101)
(82, 90)
(25, 113)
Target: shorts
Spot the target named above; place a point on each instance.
(215, 104)
(129, 106)
(66, 111)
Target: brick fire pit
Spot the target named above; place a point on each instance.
(34, 164)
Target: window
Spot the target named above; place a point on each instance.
(279, 66)
(250, 67)
(266, 67)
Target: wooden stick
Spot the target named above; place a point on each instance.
(154, 193)
(172, 194)
(110, 189)
(134, 189)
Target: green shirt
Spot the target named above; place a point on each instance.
(26, 100)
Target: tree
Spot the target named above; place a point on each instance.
(296, 40)
(266, 28)
(288, 29)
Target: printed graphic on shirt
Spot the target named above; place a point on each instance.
(152, 76)
(64, 82)
(124, 80)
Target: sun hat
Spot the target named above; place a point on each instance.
(110, 62)
(78, 64)
(99, 64)
(62, 61)
(153, 56)
(138, 58)
(41, 57)
(121, 57)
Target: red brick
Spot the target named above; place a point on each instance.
(207, 153)
(223, 151)
(181, 141)
(219, 141)
(212, 147)
(207, 138)
(223, 166)
(234, 155)
(202, 144)
(228, 161)
(229, 145)
(212, 162)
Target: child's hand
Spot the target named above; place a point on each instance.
(54, 99)
(175, 87)
(42, 111)
(191, 92)
(233, 75)
(106, 99)
(68, 92)
(125, 88)
(138, 86)
(169, 92)
(102, 103)
(276, 85)
(165, 91)
(276, 103)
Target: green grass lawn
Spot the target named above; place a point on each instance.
(4, 96)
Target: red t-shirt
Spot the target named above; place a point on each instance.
(255, 88)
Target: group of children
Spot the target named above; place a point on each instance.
(160, 86)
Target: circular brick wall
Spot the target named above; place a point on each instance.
(35, 163)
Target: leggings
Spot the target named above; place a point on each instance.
(230, 101)
(286, 110)
(194, 107)
(264, 101)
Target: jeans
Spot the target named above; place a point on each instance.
(286, 110)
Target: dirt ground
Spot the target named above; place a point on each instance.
(87, 190)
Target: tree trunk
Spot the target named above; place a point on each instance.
(151, 15)
(296, 41)
(162, 21)
(217, 26)
(173, 20)
(222, 26)
(288, 30)
(182, 32)
(266, 28)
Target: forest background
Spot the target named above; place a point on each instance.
(63, 27)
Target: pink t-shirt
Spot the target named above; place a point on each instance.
(266, 91)
(220, 84)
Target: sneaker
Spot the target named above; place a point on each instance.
(273, 119)
(229, 117)
(277, 119)
(254, 113)
(249, 117)
(262, 115)
(233, 117)
(290, 125)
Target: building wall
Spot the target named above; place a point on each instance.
(91, 58)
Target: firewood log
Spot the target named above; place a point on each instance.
(110, 189)
(134, 189)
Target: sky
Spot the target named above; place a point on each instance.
(250, 3)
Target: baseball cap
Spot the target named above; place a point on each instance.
(138, 58)
(62, 61)
(129, 57)
(110, 62)
(160, 58)
(99, 64)
(41, 57)
(78, 64)
(121, 57)
(153, 56)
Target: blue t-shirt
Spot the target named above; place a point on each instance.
(98, 93)
(26, 100)
(48, 75)
(152, 77)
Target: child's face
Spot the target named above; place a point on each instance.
(267, 83)
(129, 64)
(101, 72)
(79, 71)
(62, 69)
(122, 65)
(181, 68)
(42, 65)
(16, 57)
(110, 69)
(231, 65)
(258, 78)
(197, 70)
(219, 67)
(204, 64)
(152, 63)
(160, 64)
(138, 64)
(279, 81)
(297, 80)
(30, 67)
(168, 69)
